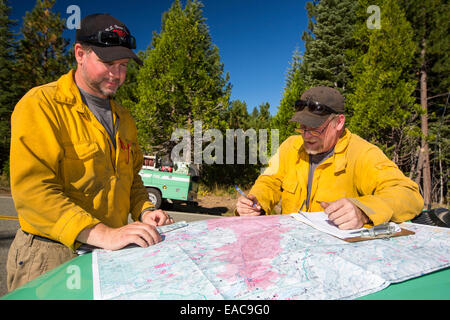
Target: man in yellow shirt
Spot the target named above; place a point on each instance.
(75, 160)
(327, 168)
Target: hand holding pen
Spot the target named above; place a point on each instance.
(247, 205)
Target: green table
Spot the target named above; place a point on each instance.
(59, 284)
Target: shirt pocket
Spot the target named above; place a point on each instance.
(80, 151)
(288, 196)
(289, 186)
(83, 167)
(332, 187)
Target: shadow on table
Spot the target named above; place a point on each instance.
(193, 208)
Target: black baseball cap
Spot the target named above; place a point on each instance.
(108, 37)
(316, 105)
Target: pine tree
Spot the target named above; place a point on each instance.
(42, 54)
(237, 115)
(382, 101)
(263, 117)
(294, 67)
(228, 174)
(295, 86)
(431, 21)
(331, 27)
(438, 101)
(127, 94)
(8, 81)
(325, 61)
(182, 79)
(260, 117)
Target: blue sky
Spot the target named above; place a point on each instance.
(256, 38)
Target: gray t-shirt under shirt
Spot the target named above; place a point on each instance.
(314, 161)
(101, 109)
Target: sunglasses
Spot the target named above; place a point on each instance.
(313, 107)
(110, 38)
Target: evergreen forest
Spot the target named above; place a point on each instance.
(389, 58)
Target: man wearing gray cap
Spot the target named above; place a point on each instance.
(328, 168)
(75, 160)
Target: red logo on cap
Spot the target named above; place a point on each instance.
(120, 33)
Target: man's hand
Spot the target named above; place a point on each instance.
(102, 236)
(156, 218)
(246, 207)
(345, 214)
(143, 233)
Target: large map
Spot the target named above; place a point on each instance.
(267, 257)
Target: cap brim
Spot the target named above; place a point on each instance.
(109, 54)
(309, 119)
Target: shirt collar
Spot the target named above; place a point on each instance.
(340, 158)
(68, 93)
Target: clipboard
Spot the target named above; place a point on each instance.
(320, 223)
(403, 232)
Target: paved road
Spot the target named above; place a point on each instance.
(8, 230)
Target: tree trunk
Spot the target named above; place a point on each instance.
(424, 126)
(441, 179)
(412, 172)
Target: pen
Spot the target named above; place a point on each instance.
(242, 192)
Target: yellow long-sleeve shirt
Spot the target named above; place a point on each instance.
(65, 173)
(357, 170)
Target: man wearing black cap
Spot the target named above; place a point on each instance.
(75, 160)
(327, 168)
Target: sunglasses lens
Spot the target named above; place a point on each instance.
(113, 39)
(317, 109)
(109, 38)
(300, 105)
(132, 42)
(313, 107)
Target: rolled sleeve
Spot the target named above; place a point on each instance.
(70, 224)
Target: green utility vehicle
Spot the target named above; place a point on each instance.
(171, 182)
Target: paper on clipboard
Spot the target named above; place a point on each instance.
(319, 220)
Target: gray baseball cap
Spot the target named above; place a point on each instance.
(316, 105)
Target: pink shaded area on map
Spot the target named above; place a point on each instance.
(249, 258)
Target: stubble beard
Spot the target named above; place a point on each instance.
(313, 151)
(100, 86)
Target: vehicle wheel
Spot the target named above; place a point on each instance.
(154, 195)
